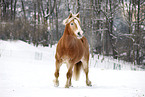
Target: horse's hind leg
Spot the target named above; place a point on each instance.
(56, 74)
(86, 70)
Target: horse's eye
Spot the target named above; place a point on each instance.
(71, 23)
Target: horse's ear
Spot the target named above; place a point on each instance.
(78, 15)
(70, 15)
(65, 21)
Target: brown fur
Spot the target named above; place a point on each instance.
(75, 53)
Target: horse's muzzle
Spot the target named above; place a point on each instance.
(79, 35)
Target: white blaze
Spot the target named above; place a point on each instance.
(79, 29)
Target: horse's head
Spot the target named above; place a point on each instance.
(73, 22)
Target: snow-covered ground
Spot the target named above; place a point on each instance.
(28, 71)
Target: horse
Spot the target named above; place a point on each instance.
(72, 49)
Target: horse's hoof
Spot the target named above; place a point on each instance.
(56, 83)
(89, 83)
(67, 86)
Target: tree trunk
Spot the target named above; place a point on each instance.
(51, 37)
(23, 8)
(91, 28)
(112, 39)
(11, 9)
(78, 6)
(42, 10)
(39, 11)
(34, 30)
(68, 7)
(130, 32)
(56, 21)
(138, 34)
(4, 10)
(0, 10)
(107, 32)
(15, 9)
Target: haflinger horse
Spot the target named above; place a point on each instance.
(72, 49)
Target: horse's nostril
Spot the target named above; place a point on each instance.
(79, 33)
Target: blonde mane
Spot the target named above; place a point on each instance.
(70, 18)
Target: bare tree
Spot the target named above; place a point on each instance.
(23, 8)
(139, 33)
(78, 5)
(15, 8)
(0, 10)
(56, 20)
(40, 22)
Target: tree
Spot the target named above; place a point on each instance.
(139, 37)
(56, 20)
(107, 29)
(109, 12)
(15, 3)
(78, 6)
(0, 10)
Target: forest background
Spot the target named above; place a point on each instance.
(113, 27)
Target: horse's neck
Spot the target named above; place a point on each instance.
(68, 39)
(67, 31)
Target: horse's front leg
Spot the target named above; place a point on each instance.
(70, 82)
(56, 74)
(69, 76)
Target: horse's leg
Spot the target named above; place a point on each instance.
(70, 82)
(86, 70)
(56, 81)
(69, 76)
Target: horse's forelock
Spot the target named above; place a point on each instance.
(68, 20)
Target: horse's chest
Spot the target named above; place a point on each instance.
(70, 48)
(76, 48)
(73, 50)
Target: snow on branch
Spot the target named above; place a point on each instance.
(102, 29)
(128, 36)
(113, 36)
(99, 19)
(47, 15)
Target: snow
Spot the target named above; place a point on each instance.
(28, 71)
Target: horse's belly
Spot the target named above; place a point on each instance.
(71, 57)
(75, 54)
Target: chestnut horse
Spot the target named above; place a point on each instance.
(72, 49)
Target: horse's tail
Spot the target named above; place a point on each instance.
(77, 69)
